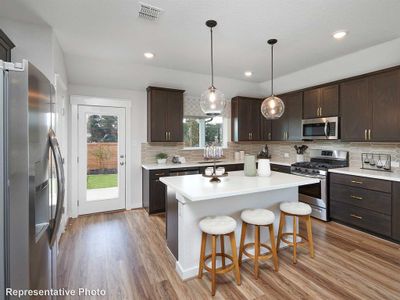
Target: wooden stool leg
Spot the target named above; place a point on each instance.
(202, 254)
(234, 257)
(309, 236)
(256, 249)
(274, 254)
(213, 264)
(242, 238)
(281, 225)
(294, 239)
(222, 250)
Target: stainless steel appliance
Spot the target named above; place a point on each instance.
(32, 176)
(320, 162)
(321, 129)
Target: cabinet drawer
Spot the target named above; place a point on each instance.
(280, 168)
(362, 182)
(362, 218)
(373, 200)
(235, 167)
(155, 174)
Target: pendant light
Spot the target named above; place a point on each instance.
(272, 107)
(212, 101)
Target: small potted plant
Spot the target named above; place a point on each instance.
(300, 152)
(161, 158)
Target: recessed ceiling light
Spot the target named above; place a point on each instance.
(339, 34)
(149, 55)
(248, 73)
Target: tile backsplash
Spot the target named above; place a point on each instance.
(277, 150)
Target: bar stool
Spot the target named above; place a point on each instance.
(303, 212)
(218, 226)
(258, 218)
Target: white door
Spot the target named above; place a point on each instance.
(101, 159)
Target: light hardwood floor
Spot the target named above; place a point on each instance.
(125, 254)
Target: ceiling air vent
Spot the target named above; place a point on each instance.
(149, 12)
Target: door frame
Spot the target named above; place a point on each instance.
(77, 100)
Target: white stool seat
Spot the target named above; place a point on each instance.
(296, 208)
(218, 225)
(258, 216)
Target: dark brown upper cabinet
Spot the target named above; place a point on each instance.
(5, 47)
(246, 119)
(288, 127)
(266, 129)
(355, 110)
(370, 108)
(321, 102)
(164, 114)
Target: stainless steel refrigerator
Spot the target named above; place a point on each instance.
(32, 179)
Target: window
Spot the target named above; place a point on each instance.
(200, 132)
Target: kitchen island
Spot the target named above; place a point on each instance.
(193, 197)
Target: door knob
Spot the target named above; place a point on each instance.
(121, 163)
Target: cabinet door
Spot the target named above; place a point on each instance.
(266, 129)
(255, 120)
(355, 110)
(157, 102)
(396, 211)
(157, 196)
(175, 116)
(279, 128)
(244, 119)
(384, 94)
(293, 107)
(329, 101)
(311, 103)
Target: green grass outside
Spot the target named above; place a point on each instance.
(102, 181)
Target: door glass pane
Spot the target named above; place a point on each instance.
(102, 157)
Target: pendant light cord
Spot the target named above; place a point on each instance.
(272, 69)
(212, 59)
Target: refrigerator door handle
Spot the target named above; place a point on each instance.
(55, 149)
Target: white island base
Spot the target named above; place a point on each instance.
(191, 198)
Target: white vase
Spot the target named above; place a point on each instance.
(299, 157)
(162, 161)
(264, 167)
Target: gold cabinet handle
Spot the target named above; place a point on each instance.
(169, 135)
(355, 181)
(166, 135)
(269, 135)
(369, 134)
(320, 111)
(356, 197)
(317, 111)
(365, 134)
(355, 216)
(159, 174)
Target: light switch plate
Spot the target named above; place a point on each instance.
(286, 155)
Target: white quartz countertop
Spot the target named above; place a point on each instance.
(394, 175)
(206, 164)
(198, 188)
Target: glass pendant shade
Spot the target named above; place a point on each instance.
(212, 102)
(272, 107)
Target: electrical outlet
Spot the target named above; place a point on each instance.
(286, 155)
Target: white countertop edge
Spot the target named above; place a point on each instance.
(188, 198)
(195, 164)
(390, 176)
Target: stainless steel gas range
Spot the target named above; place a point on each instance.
(320, 162)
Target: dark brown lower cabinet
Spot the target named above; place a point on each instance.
(369, 204)
(153, 190)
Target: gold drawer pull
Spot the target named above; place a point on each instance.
(159, 174)
(356, 197)
(355, 181)
(355, 216)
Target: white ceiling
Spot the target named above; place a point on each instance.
(110, 30)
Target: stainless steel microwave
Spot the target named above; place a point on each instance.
(321, 129)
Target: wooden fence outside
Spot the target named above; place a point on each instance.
(102, 156)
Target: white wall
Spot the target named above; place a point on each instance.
(138, 101)
(370, 59)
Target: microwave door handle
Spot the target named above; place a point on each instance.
(55, 149)
(326, 129)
